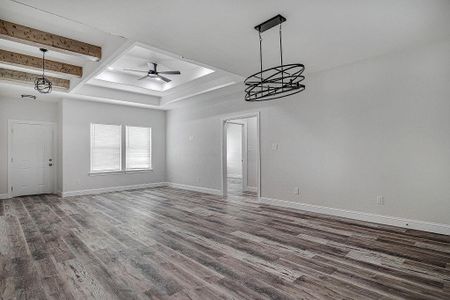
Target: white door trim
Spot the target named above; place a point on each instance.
(224, 148)
(11, 123)
(244, 156)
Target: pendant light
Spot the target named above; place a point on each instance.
(41, 83)
(276, 82)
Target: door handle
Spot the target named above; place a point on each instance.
(50, 165)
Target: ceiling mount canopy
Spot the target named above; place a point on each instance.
(42, 84)
(275, 82)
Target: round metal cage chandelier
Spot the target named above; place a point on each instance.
(42, 84)
(276, 82)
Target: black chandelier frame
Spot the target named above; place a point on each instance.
(42, 84)
(275, 82)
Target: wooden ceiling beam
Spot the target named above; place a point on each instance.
(35, 63)
(24, 77)
(31, 36)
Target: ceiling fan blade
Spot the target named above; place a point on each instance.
(133, 70)
(143, 77)
(170, 72)
(165, 79)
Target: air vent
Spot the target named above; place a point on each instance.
(28, 97)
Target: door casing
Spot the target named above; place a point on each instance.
(224, 121)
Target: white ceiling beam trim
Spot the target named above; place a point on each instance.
(202, 87)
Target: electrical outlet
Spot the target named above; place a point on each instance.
(380, 200)
(297, 191)
(274, 147)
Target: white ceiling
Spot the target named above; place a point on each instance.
(106, 81)
(140, 57)
(322, 33)
(219, 35)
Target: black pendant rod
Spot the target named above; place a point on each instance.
(281, 57)
(281, 46)
(261, 59)
(43, 59)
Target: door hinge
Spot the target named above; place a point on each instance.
(12, 159)
(12, 130)
(12, 188)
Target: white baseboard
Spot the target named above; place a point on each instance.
(4, 196)
(356, 215)
(195, 188)
(362, 216)
(251, 189)
(112, 189)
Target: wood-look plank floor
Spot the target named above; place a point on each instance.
(166, 243)
(235, 188)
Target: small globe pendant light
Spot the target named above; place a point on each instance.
(41, 83)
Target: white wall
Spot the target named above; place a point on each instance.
(18, 109)
(234, 150)
(60, 179)
(377, 127)
(76, 119)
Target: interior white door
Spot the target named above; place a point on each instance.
(31, 159)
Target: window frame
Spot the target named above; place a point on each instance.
(123, 152)
(91, 138)
(150, 145)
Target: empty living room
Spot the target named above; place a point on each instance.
(225, 149)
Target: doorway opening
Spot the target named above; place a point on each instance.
(240, 159)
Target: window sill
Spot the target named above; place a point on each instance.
(102, 173)
(138, 171)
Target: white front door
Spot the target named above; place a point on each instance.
(32, 161)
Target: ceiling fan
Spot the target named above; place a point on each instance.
(153, 73)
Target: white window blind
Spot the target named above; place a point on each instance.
(106, 148)
(138, 148)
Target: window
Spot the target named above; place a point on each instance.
(138, 148)
(106, 148)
